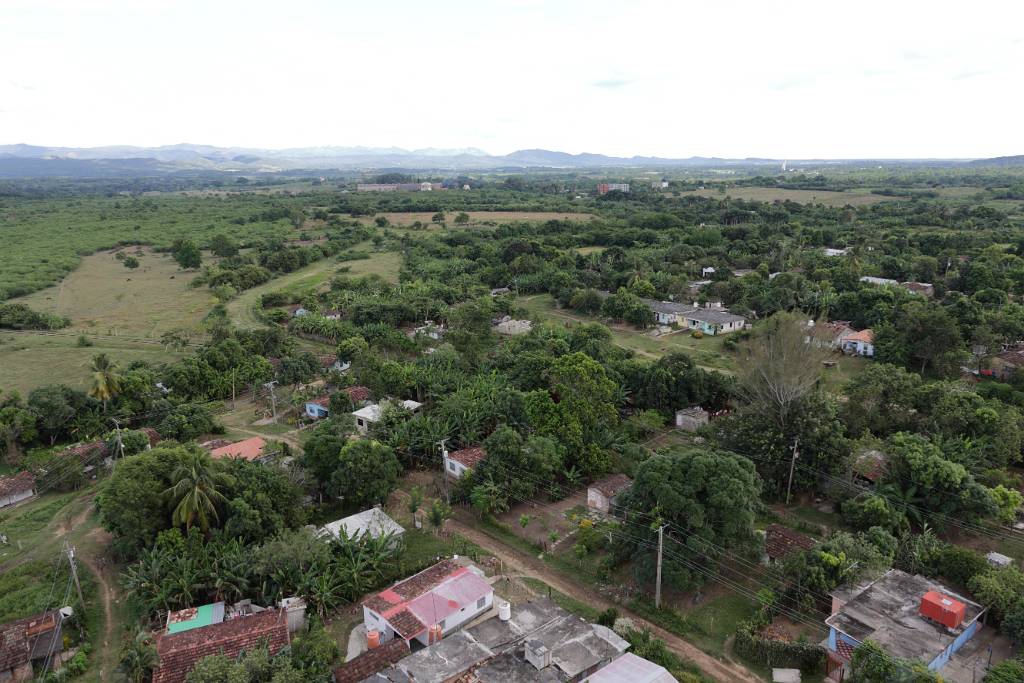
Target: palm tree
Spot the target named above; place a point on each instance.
(138, 658)
(196, 491)
(106, 380)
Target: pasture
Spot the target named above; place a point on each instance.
(103, 297)
(772, 194)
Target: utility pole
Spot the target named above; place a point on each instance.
(273, 398)
(657, 584)
(444, 470)
(792, 466)
(120, 444)
(70, 552)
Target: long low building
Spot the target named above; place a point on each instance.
(709, 320)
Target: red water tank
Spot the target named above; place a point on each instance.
(434, 634)
(943, 609)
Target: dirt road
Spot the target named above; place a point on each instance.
(726, 672)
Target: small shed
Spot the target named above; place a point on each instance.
(691, 419)
(601, 494)
(999, 560)
(457, 463)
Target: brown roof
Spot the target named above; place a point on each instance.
(327, 360)
(19, 483)
(88, 451)
(780, 541)
(179, 652)
(16, 638)
(413, 587)
(406, 624)
(612, 485)
(866, 336)
(249, 449)
(870, 464)
(357, 393)
(154, 436)
(371, 661)
(322, 401)
(1012, 357)
(469, 457)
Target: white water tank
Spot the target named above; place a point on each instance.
(504, 610)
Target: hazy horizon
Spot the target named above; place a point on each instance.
(785, 80)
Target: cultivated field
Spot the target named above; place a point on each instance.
(771, 194)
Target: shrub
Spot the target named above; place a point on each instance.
(697, 334)
(808, 657)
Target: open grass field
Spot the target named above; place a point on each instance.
(706, 352)
(771, 194)
(241, 308)
(44, 239)
(479, 217)
(31, 359)
(101, 296)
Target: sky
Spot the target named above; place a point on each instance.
(728, 78)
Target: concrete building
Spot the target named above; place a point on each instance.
(1006, 363)
(601, 494)
(908, 616)
(710, 319)
(830, 252)
(691, 419)
(538, 641)
(879, 281)
(16, 488)
(510, 327)
(318, 408)
(828, 335)
(629, 668)
(374, 523)
(371, 414)
(605, 188)
(442, 597)
(457, 463)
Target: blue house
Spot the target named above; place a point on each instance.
(908, 616)
(317, 408)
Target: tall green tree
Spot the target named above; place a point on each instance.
(105, 382)
(196, 491)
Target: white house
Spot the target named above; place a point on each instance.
(374, 523)
(440, 598)
(691, 419)
(17, 488)
(368, 415)
(860, 343)
(457, 463)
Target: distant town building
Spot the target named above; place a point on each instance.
(605, 188)
(828, 251)
(860, 343)
(712, 319)
(398, 187)
(510, 327)
(1006, 363)
(828, 335)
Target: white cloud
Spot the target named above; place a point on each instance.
(759, 78)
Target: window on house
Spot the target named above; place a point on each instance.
(451, 466)
(481, 602)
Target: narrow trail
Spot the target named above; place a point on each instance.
(522, 563)
(106, 595)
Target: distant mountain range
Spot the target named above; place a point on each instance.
(37, 161)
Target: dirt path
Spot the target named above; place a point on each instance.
(519, 562)
(107, 596)
(276, 437)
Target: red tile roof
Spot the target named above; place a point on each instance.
(357, 393)
(16, 636)
(612, 485)
(154, 436)
(322, 401)
(88, 451)
(871, 465)
(468, 457)
(406, 624)
(371, 661)
(19, 483)
(179, 652)
(780, 541)
(250, 449)
(866, 336)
